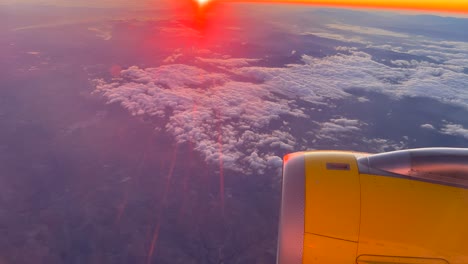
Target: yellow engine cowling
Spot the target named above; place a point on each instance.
(399, 207)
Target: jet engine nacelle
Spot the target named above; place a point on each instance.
(407, 206)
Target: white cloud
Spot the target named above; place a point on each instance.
(338, 127)
(450, 53)
(330, 127)
(339, 37)
(427, 126)
(343, 48)
(330, 77)
(404, 63)
(306, 82)
(366, 30)
(363, 99)
(228, 62)
(346, 122)
(172, 76)
(225, 119)
(455, 130)
(379, 145)
(229, 119)
(103, 32)
(217, 113)
(173, 58)
(255, 162)
(387, 47)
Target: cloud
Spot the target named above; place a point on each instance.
(427, 126)
(306, 82)
(227, 111)
(173, 76)
(104, 33)
(366, 30)
(338, 37)
(339, 127)
(455, 130)
(404, 63)
(228, 62)
(216, 112)
(347, 49)
(448, 53)
(80, 125)
(223, 118)
(332, 76)
(173, 58)
(380, 145)
(180, 30)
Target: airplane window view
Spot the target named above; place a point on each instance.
(155, 132)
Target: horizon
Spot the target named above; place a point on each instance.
(449, 8)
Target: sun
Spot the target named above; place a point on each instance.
(202, 2)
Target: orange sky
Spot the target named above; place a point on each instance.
(452, 6)
(437, 6)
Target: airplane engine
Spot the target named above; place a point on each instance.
(408, 206)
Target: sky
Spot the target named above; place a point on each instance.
(85, 3)
(451, 6)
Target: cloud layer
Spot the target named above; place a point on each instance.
(227, 111)
(224, 118)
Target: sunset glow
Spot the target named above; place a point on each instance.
(455, 6)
